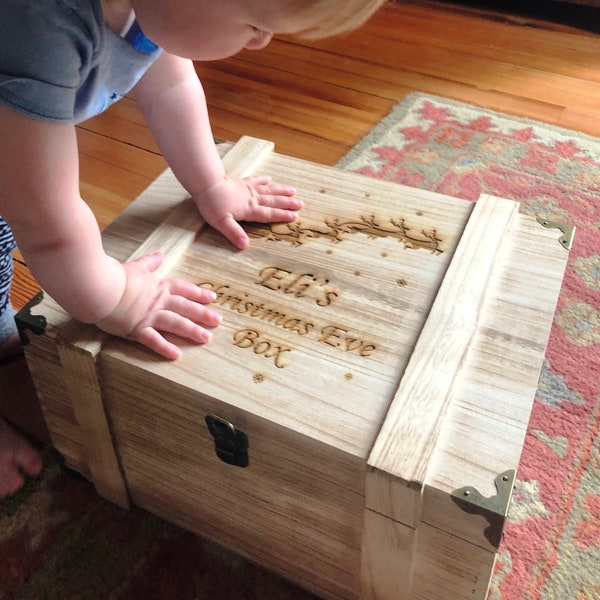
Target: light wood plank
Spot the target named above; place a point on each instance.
(414, 420)
(82, 383)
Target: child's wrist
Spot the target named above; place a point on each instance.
(118, 287)
(209, 189)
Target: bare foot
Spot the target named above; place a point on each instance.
(17, 456)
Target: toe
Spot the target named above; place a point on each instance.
(11, 485)
(28, 459)
(17, 456)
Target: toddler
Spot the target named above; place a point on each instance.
(63, 61)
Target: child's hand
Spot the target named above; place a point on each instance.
(250, 199)
(149, 305)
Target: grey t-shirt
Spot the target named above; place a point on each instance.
(60, 62)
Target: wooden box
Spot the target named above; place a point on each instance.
(356, 422)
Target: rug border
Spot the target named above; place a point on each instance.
(402, 108)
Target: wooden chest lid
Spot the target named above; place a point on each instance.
(320, 315)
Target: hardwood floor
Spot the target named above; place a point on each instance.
(316, 100)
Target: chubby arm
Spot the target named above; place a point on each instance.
(60, 239)
(173, 103)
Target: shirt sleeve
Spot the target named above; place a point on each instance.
(46, 50)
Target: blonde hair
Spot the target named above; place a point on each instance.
(334, 17)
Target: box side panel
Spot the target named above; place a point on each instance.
(400, 563)
(387, 558)
(296, 508)
(450, 568)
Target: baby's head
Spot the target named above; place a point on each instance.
(329, 17)
(214, 29)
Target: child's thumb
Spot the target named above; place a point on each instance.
(150, 261)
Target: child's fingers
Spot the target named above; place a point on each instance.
(181, 287)
(169, 322)
(277, 189)
(166, 321)
(233, 231)
(265, 214)
(195, 312)
(264, 186)
(258, 179)
(279, 201)
(150, 338)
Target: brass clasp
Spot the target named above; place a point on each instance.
(231, 444)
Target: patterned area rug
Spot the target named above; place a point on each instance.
(59, 540)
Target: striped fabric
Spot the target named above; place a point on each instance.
(7, 245)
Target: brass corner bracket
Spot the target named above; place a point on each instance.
(568, 232)
(493, 509)
(25, 320)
